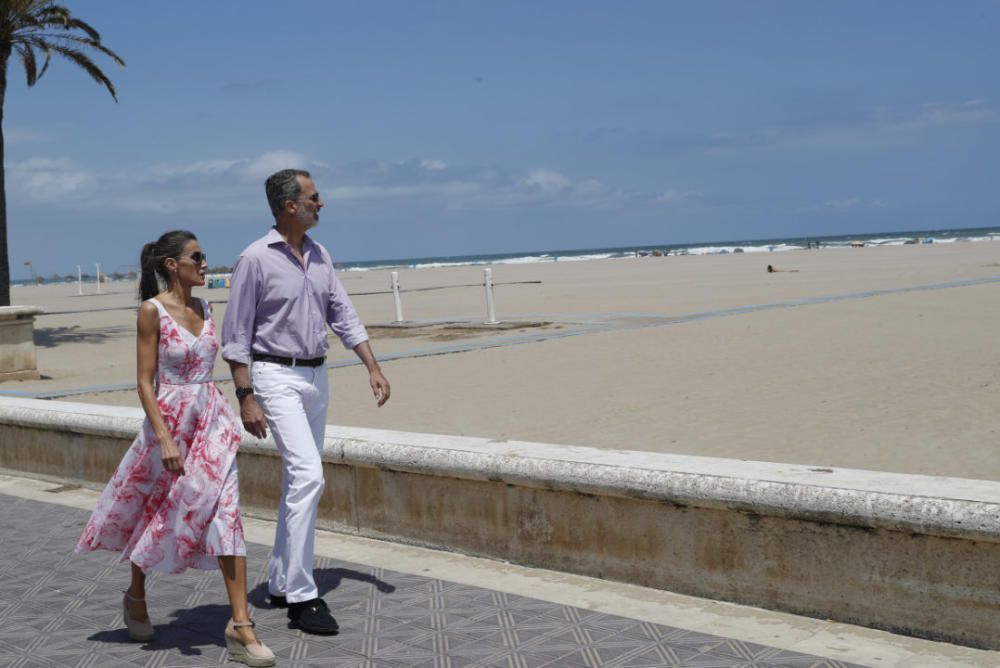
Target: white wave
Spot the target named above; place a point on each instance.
(890, 241)
(721, 250)
(528, 259)
(439, 265)
(768, 249)
(757, 247)
(594, 256)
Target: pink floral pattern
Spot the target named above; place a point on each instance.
(163, 522)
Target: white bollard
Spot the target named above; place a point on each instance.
(491, 315)
(98, 279)
(79, 280)
(395, 296)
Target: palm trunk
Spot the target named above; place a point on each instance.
(4, 260)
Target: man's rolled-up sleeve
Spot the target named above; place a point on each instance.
(241, 313)
(342, 317)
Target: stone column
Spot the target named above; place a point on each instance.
(17, 343)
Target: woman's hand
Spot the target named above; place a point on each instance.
(170, 455)
(147, 348)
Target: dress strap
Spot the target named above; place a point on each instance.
(159, 307)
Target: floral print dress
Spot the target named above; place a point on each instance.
(158, 520)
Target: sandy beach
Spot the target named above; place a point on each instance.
(876, 358)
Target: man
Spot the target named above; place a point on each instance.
(284, 293)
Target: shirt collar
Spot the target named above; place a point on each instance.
(274, 237)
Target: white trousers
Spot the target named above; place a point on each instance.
(294, 400)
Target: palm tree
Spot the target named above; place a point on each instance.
(33, 28)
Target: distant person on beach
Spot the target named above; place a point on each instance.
(284, 294)
(772, 270)
(174, 501)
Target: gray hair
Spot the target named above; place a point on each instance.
(283, 186)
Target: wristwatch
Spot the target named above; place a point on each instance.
(243, 392)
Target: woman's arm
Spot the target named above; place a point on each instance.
(147, 345)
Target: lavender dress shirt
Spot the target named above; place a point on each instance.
(277, 307)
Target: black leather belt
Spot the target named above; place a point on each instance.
(288, 361)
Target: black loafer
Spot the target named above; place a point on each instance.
(313, 617)
(277, 601)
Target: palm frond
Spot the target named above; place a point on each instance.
(85, 27)
(53, 14)
(27, 55)
(45, 65)
(87, 41)
(41, 45)
(60, 17)
(87, 65)
(32, 26)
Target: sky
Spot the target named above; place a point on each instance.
(448, 128)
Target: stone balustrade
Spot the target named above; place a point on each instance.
(911, 554)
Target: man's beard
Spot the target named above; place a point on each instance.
(308, 219)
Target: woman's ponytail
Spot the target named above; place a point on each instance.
(148, 285)
(151, 266)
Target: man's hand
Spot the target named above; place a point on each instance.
(170, 455)
(253, 416)
(380, 386)
(250, 411)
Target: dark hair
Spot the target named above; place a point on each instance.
(283, 186)
(151, 260)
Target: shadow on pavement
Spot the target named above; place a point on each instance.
(189, 632)
(327, 580)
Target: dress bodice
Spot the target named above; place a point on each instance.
(183, 357)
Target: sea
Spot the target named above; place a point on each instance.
(777, 245)
(943, 236)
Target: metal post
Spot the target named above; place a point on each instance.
(491, 315)
(98, 279)
(79, 280)
(395, 296)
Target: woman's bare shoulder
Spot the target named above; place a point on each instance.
(149, 315)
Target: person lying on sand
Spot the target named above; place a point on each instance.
(772, 270)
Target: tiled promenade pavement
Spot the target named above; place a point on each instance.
(58, 609)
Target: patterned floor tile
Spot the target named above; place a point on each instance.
(59, 609)
(656, 656)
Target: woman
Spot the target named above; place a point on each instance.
(173, 503)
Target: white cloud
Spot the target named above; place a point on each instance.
(43, 179)
(442, 191)
(852, 202)
(842, 203)
(936, 115)
(545, 181)
(883, 125)
(248, 170)
(675, 196)
(18, 135)
(461, 186)
(167, 172)
(236, 185)
(846, 203)
(262, 166)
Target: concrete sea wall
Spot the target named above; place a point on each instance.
(918, 555)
